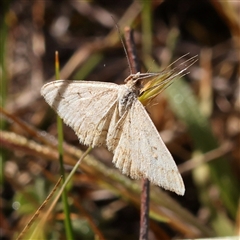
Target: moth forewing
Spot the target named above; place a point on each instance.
(75, 102)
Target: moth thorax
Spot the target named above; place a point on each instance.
(126, 98)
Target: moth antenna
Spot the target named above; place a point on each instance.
(124, 47)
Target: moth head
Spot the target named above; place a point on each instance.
(135, 80)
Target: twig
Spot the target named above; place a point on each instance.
(131, 49)
(144, 222)
(135, 67)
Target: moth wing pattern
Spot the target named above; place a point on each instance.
(75, 102)
(142, 153)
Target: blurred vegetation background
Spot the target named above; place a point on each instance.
(197, 117)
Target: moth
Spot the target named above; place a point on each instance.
(110, 115)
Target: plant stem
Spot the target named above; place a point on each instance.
(135, 67)
(67, 219)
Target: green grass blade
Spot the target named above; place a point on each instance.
(67, 219)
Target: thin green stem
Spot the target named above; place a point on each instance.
(61, 191)
(67, 219)
(146, 27)
(3, 80)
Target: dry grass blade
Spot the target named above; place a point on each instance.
(36, 214)
(164, 79)
(204, 158)
(162, 206)
(50, 209)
